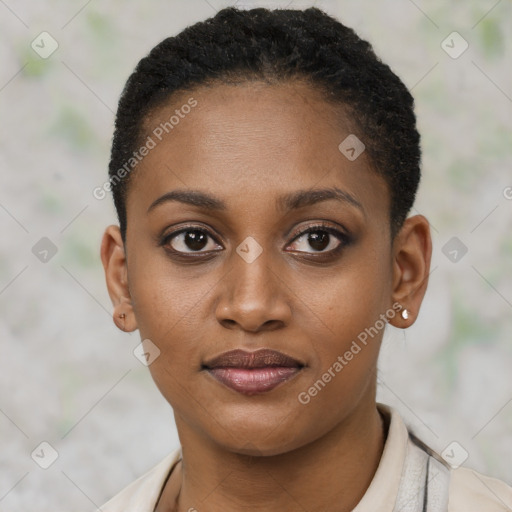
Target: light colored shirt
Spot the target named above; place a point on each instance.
(408, 479)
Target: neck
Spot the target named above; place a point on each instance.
(331, 473)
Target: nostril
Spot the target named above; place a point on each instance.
(228, 323)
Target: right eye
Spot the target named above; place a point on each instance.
(193, 238)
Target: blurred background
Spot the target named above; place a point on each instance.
(69, 377)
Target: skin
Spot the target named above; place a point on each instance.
(248, 145)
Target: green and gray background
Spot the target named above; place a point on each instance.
(69, 378)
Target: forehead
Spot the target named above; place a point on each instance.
(254, 109)
(253, 138)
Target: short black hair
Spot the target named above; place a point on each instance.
(276, 45)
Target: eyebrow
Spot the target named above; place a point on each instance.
(290, 201)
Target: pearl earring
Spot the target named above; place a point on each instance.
(405, 314)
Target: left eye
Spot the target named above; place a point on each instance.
(319, 238)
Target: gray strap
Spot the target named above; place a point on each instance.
(438, 487)
(424, 485)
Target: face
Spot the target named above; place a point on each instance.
(262, 261)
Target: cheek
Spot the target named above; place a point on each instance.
(350, 310)
(170, 312)
(167, 301)
(344, 358)
(351, 299)
(350, 343)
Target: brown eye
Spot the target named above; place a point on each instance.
(190, 240)
(319, 238)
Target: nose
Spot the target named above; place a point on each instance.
(254, 297)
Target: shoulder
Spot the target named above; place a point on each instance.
(142, 494)
(466, 489)
(471, 491)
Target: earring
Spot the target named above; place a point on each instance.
(122, 316)
(405, 314)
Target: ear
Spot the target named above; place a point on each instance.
(113, 258)
(412, 251)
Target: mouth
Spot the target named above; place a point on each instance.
(252, 373)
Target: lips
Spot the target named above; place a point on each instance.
(253, 373)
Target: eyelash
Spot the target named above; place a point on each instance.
(343, 238)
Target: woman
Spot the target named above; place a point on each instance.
(263, 167)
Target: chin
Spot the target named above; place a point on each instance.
(257, 435)
(258, 447)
